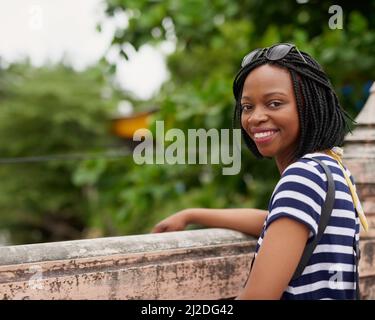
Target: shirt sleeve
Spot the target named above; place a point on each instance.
(299, 195)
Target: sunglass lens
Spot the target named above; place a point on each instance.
(278, 52)
(250, 57)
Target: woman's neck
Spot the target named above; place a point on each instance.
(282, 164)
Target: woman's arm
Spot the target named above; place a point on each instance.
(277, 260)
(249, 221)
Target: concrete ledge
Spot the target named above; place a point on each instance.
(90, 248)
(198, 264)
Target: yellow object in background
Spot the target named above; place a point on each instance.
(125, 127)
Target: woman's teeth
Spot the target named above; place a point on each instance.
(264, 134)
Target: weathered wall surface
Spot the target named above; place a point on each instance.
(199, 264)
(359, 157)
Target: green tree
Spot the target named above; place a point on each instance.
(211, 37)
(49, 111)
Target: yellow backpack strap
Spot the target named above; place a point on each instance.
(336, 153)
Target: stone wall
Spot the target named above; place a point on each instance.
(359, 157)
(198, 264)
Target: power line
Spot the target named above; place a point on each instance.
(111, 154)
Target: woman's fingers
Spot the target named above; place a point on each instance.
(160, 227)
(175, 222)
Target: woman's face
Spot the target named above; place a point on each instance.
(269, 112)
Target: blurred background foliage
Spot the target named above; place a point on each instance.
(54, 110)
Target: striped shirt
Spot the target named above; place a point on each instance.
(300, 195)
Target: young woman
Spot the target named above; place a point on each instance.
(288, 110)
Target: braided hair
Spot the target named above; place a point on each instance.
(323, 122)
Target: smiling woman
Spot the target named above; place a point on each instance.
(309, 237)
(289, 111)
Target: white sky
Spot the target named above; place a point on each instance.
(48, 30)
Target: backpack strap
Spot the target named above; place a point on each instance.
(323, 221)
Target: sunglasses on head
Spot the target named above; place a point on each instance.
(273, 53)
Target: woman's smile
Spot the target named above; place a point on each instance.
(263, 136)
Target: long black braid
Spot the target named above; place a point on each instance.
(323, 121)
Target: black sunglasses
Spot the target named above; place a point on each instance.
(274, 53)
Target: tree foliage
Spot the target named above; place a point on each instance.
(44, 112)
(55, 111)
(211, 37)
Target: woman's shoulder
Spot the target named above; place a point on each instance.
(300, 193)
(310, 173)
(335, 168)
(306, 168)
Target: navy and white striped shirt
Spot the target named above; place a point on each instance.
(300, 195)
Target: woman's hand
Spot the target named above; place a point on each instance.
(249, 221)
(175, 222)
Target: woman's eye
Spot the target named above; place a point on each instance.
(274, 104)
(246, 107)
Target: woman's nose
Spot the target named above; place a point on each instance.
(258, 115)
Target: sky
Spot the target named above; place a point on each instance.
(49, 30)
